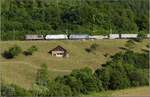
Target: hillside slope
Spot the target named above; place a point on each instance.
(22, 69)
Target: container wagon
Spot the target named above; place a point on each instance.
(34, 37)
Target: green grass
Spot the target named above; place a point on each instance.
(22, 69)
(138, 91)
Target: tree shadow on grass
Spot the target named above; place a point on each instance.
(7, 55)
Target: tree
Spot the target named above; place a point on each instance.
(13, 90)
(94, 46)
(58, 89)
(39, 90)
(103, 75)
(118, 77)
(12, 52)
(138, 77)
(30, 50)
(75, 84)
(42, 77)
(141, 36)
(85, 75)
(76, 16)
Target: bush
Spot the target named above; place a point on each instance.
(7, 55)
(138, 77)
(12, 52)
(103, 75)
(131, 57)
(13, 90)
(141, 36)
(94, 46)
(75, 84)
(38, 90)
(30, 50)
(88, 50)
(118, 80)
(80, 81)
(58, 89)
(42, 77)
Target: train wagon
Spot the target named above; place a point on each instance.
(114, 36)
(129, 36)
(34, 37)
(98, 37)
(148, 35)
(56, 37)
(79, 37)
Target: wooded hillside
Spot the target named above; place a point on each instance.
(20, 17)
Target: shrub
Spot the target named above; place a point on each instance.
(138, 77)
(103, 75)
(88, 50)
(75, 84)
(13, 90)
(131, 57)
(94, 46)
(106, 55)
(141, 36)
(118, 80)
(30, 50)
(38, 90)
(12, 52)
(58, 89)
(42, 77)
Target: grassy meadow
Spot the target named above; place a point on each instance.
(135, 92)
(22, 69)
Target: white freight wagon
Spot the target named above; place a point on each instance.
(128, 36)
(98, 37)
(114, 36)
(79, 36)
(148, 35)
(34, 37)
(56, 37)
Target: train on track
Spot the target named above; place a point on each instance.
(81, 36)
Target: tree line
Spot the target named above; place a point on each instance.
(126, 69)
(20, 17)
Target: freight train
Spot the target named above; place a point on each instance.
(81, 36)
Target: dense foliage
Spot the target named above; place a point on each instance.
(12, 52)
(139, 60)
(92, 48)
(30, 50)
(42, 75)
(126, 69)
(15, 50)
(13, 90)
(20, 17)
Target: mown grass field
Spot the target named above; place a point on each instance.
(130, 92)
(22, 69)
